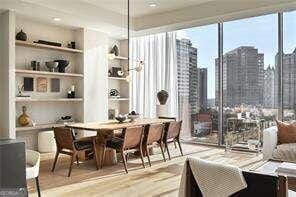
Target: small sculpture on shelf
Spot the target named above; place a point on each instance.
(114, 93)
(35, 65)
(116, 72)
(115, 50)
(71, 92)
(24, 119)
(72, 45)
(21, 36)
(62, 65)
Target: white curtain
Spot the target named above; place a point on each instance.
(159, 73)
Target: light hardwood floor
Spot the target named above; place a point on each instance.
(162, 179)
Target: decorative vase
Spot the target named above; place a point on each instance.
(24, 119)
(21, 36)
(162, 97)
(115, 50)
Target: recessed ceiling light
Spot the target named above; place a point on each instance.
(152, 5)
(56, 19)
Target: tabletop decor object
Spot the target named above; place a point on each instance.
(133, 116)
(120, 118)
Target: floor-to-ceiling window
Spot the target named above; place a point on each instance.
(253, 81)
(197, 49)
(289, 65)
(250, 48)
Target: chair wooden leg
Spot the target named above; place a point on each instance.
(141, 154)
(55, 160)
(147, 154)
(77, 159)
(124, 160)
(72, 161)
(167, 148)
(162, 152)
(179, 143)
(38, 187)
(175, 144)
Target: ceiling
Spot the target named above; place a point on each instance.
(110, 16)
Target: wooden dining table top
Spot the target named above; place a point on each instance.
(114, 125)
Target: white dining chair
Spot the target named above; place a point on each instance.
(32, 167)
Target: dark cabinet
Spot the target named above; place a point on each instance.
(12, 168)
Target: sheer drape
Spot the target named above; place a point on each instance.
(159, 72)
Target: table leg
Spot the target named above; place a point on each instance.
(101, 151)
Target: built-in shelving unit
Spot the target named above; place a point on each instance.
(45, 107)
(44, 46)
(39, 73)
(119, 105)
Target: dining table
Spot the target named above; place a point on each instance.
(106, 129)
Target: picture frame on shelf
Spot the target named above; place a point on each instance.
(41, 84)
(55, 85)
(28, 84)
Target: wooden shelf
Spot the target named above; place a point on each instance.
(121, 58)
(49, 100)
(33, 72)
(117, 78)
(38, 127)
(44, 46)
(118, 99)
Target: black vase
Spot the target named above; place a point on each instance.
(162, 97)
(21, 36)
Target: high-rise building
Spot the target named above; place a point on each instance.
(243, 77)
(187, 75)
(202, 88)
(269, 88)
(289, 79)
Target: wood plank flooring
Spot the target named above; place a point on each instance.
(162, 179)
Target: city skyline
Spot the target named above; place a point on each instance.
(259, 32)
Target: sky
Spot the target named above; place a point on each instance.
(260, 32)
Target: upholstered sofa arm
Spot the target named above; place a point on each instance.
(269, 142)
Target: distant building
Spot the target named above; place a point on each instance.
(289, 80)
(269, 88)
(187, 75)
(202, 88)
(243, 80)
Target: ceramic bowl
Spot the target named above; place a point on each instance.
(120, 118)
(51, 65)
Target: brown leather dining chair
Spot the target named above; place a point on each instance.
(153, 137)
(172, 135)
(68, 145)
(131, 141)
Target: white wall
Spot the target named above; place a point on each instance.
(7, 86)
(95, 76)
